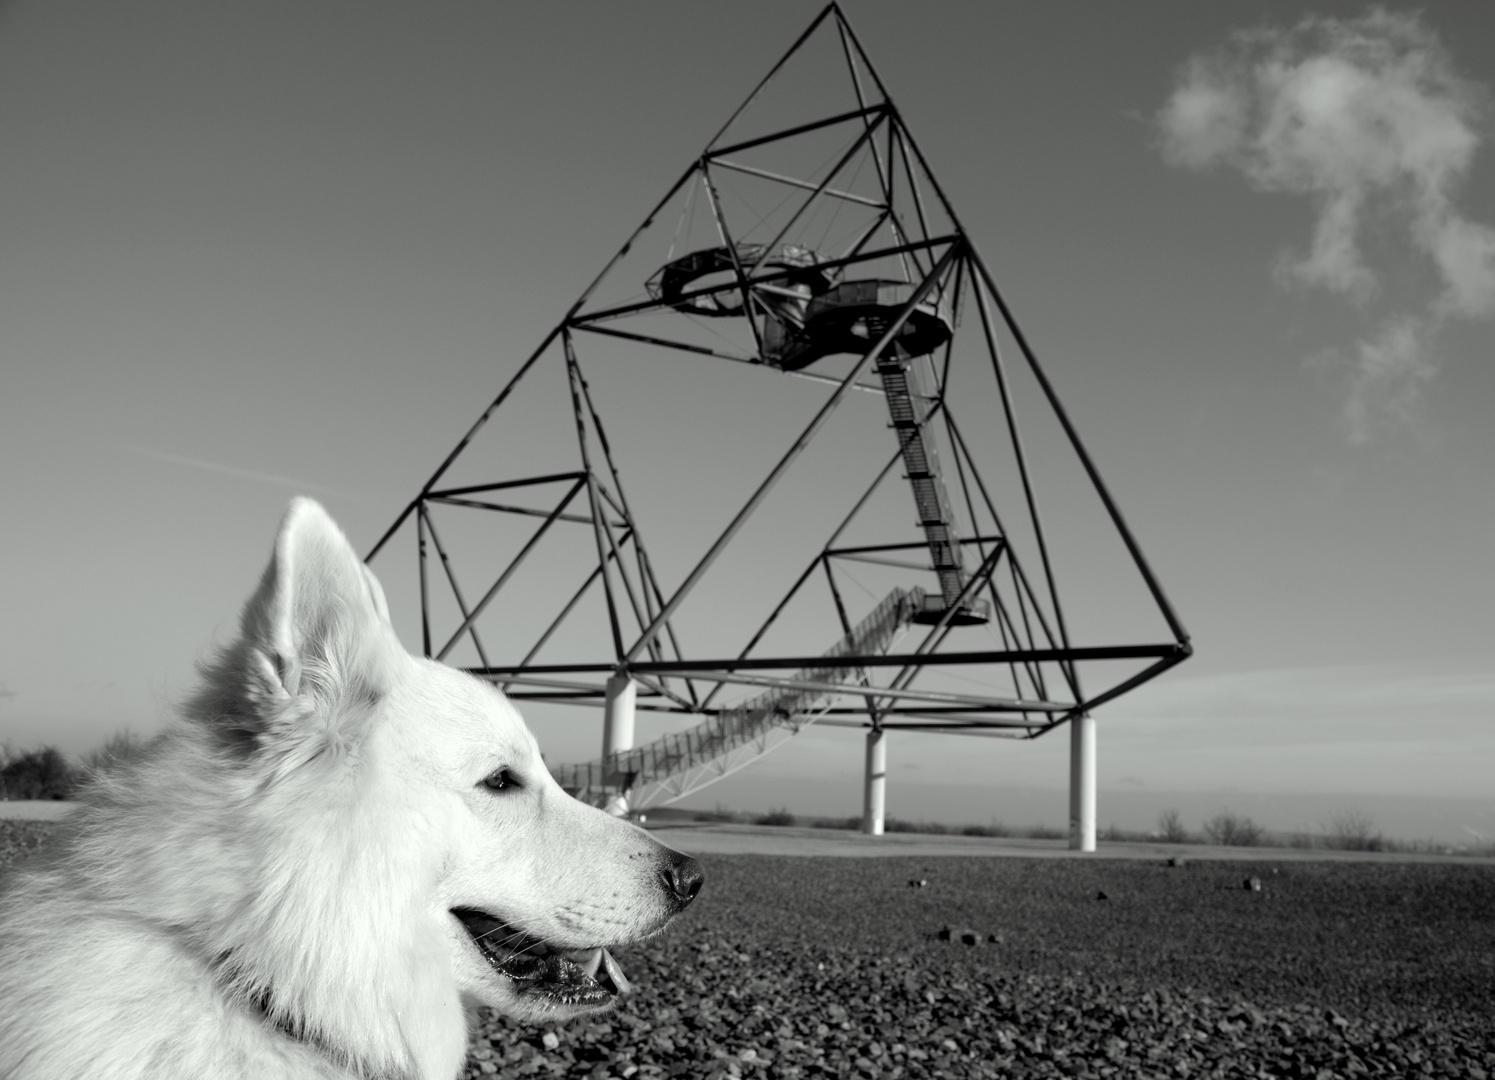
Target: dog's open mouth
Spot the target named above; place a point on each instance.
(568, 977)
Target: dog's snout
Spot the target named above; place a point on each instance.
(683, 878)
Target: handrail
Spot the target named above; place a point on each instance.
(730, 728)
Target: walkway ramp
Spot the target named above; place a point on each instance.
(681, 762)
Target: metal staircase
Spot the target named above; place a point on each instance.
(903, 387)
(808, 314)
(681, 762)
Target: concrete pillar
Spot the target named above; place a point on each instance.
(1082, 783)
(617, 732)
(874, 793)
(617, 715)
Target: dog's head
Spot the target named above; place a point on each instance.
(538, 886)
(419, 800)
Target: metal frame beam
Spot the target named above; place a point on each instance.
(1173, 651)
(1031, 623)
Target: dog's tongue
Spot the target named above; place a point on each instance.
(615, 973)
(600, 962)
(530, 960)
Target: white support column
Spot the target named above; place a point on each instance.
(1082, 783)
(617, 729)
(874, 793)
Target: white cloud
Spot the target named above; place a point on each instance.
(1367, 118)
(1205, 120)
(1386, 373)
(1465, 253)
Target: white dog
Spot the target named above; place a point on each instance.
(323, 869)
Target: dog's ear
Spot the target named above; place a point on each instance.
(376, 594)
(315, 630)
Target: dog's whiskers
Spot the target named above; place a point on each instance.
(508, 940)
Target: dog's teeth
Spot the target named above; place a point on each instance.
(615, 973)
(592, 962)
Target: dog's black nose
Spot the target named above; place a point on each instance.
(683, 878)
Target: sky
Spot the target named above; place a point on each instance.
(251, 251)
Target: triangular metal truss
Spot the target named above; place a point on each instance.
(810, 241)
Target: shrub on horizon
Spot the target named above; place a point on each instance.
(781, 816)
(1353, 830)
(1171, 827)
(893, 824)
(728, 816)
(852, 823)
(41, 774)
(1233, 830)
(723, 814)
(996, 828)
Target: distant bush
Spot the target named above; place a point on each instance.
(898, 825)
(1353, 830)
(996, 828)
(719, 814)
(776, 817)
(1171, 828)
(854, 824)
(726, 815)
(41, 774)
(1114, 834)
(1233, 830)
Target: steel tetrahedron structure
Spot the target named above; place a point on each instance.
(804, 281)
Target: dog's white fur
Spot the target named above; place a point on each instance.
(268, 894)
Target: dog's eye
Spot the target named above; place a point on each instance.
(501, 780)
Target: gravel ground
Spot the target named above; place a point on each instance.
(20, 838)
(800, 967)
(809, 967)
